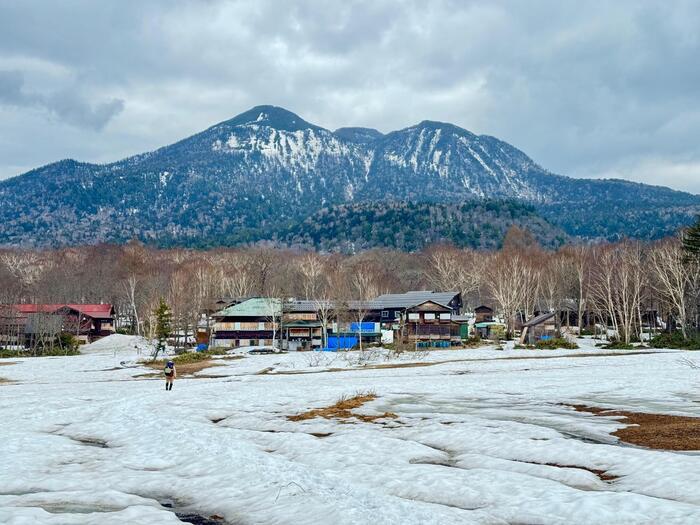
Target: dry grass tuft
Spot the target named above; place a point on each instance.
(186, 368)
(343, 410)
(657, 431)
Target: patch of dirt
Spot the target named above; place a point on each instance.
(196, 519)
(343, 410)
(4, 381)
(7, 363)
(601, 474)
(186, 368)
(320, 435)
(192, 518)
(657, 431)
(414, 364)
(89, 442)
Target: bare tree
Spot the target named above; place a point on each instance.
(674, 278)
(311, 269)
(453, 269)
(508, 283)
(273, 307)
(618, 287)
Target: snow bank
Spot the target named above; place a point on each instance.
(119, 344)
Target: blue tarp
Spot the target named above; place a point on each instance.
(336, 343)
(202, 347)
(365, 327)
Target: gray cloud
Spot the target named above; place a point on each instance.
(586, 89)
(67, 105)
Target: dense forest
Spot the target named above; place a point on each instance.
(413, 226)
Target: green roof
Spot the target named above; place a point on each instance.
(256, 307)
(487, 324)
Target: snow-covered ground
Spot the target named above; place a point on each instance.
(482, 436)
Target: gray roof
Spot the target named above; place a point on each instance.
(539, 319)
(305, 305)
(408, 299)
(398, 300)
(301, 305)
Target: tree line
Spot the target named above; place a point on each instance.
(618, 285)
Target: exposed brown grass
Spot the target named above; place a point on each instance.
(343, 410)
(4, 381)
(657, 431)
(7, 363)
(186, 368)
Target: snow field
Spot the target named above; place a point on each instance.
(485, 437)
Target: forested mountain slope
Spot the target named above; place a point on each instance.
(263, 173)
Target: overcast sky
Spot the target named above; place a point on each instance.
(587, 89)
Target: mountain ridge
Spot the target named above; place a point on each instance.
(267, 168)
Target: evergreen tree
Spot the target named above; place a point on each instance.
(164, 319)
(691, 241)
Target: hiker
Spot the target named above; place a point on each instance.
(170, 374)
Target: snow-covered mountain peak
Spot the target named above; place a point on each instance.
(220, 183)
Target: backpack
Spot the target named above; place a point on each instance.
(168, 370)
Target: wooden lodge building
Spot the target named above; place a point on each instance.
(254, 322)
(20, 324)
(423, 318)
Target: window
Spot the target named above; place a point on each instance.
(385, 314)
(414, 317)
(445, 317)
(429, 317)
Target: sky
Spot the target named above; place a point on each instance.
(587, 89)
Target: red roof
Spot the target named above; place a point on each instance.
(92, 310)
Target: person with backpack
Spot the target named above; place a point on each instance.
(170, 374)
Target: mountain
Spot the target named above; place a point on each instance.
(256, 176)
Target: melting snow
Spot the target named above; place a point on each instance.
(477, 439)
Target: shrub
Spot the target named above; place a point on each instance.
(498, 332)
(68, 343)
(472, 342)
(190, 357)
(39, 352)
(676, 340)
(555, 343)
